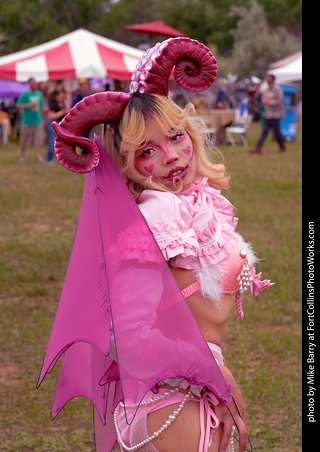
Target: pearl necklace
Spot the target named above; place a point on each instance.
(171, 418)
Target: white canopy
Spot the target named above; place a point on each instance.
(287, 70)
(79, 54)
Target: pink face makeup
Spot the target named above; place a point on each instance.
(167, 156)
(149, 168)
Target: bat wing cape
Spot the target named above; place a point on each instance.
(122, 324)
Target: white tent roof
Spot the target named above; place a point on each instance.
(287, 70)
(79, 54)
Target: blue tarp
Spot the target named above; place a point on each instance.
(9, 88)
(288, 124)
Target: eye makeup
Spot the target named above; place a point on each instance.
(178, 136)
(144, 153)
(175, 137)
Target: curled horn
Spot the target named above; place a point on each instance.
(195, 67)
(91, 111)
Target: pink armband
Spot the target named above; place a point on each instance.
(190, 290)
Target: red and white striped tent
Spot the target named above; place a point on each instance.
(79, 54)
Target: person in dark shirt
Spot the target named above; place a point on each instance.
(83, 91)
(57, 111)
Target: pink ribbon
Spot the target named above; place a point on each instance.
(207, 402)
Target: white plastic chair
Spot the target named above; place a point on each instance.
(208, 129)
(238, 128)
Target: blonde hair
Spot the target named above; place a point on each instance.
(131, 133)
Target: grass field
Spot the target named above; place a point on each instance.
(39, 207)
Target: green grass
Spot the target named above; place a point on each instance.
(39, 206)
(264, 350)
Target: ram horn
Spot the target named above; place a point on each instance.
(106, 107)
(195, 67)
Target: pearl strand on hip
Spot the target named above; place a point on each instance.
(171, 418)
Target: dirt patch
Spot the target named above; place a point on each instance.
(8, 375)
(38, 227)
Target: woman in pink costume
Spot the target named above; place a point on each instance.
(145, 345)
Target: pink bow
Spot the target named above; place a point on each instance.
(256, 285)
(197, 187)
(207, 401)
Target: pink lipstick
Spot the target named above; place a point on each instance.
(179, 171)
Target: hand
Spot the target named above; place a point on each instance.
(266, 101)
(236, 407)
(62, 112)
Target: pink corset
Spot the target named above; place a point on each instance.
(232, 267)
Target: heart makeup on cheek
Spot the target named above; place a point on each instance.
(149, 168)
(187, 150)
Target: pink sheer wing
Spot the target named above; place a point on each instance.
(122, 322)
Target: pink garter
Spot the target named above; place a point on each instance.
(135, 436)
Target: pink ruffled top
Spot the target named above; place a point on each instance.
(195, 228)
